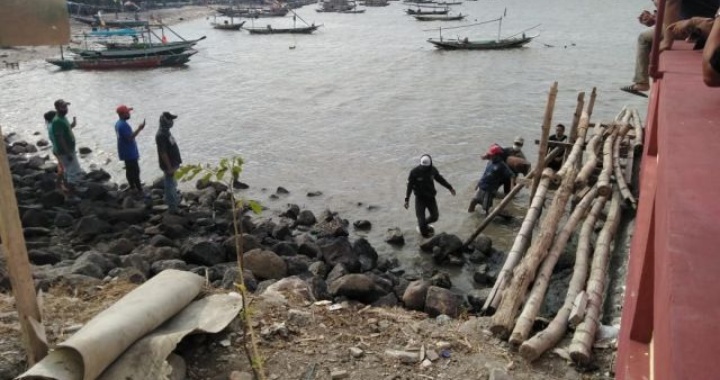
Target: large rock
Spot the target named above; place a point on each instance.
(231, 277)
(94, 264)
(249, 242)
(292, 287)
(442, 246)
(282, 232)
(284, 248)
(291, 212)
(442, 280)
(318, 269)
(318, 288)
(204, 253)
(394, 236)
(91, 226)
(121, 246)
(358, 287)
(137, 262)
(415, 295)
(338, 271)
(339, 251)
(162, 265)
(32, 232)
(442, 301)
(35, 218)
(477, 297)
(297, 264)
(41, 257)
(331, 226)
(305, 218)
(483, 243)
(265, 264)
(64, 220)
(366, 254)
(161, 241)
(129, 215)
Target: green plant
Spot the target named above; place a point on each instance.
(228, 171)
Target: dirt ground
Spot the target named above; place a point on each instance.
(312, 341)
(21, 54)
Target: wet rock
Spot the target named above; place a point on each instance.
(366, 254)
(285, 249)
(240, 185)
(358, 287)
(394, 236)
(362, 225)
(121, 246)
(309, 249)
(477, 257)
(477, 297)
(52, 199)
(282, 232)
(306, 218)
(84, 150)
(281, 190)
(441, 301)
(318, 288)
(291, 212)
(483, 243)
(35, 218)
(296, 264)
(265, 264)
(338, 271)
(249, 242)
(388, 300)
(64, 220)
(339, 251)
(162, 265)
(312, 194)
(129, 215)
(318, 268)
(161, 241)
(91, 226)
(332, 226)
(442, 280)
(36, 162)
(482, 276)
(42, 143)
(98, 175)
(32, 232)
(415, 295)
(41, 257)
(204, 253)
(230, 278)
(93, 191)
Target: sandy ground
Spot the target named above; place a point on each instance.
(171, 16)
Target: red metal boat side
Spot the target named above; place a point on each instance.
(672, 299)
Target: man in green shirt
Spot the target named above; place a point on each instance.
(64, 143)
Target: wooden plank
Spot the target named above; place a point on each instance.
(547, 121)
(18, 266)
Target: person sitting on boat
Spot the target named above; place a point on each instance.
(496, 174)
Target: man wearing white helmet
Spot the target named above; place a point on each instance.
(422, 182)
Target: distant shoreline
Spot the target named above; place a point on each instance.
(170, 16)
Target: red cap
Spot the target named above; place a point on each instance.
(494, 150)
(123, 109)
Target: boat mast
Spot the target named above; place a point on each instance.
(499, 29)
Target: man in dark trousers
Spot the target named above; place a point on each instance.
(559, 136)
(169, 158)
(127, 147)
(496, 174)
(422, 182)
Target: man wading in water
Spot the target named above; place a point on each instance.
(422, 182)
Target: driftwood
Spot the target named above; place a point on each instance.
(627, 196)
(591, 104)
(521, 242)
(581, 346)
(577, 149)
(589, 167)
(547, 120)
(603, 182)
(537, 295)
(576, 117)
(555, 331)
(523, 275)
(577, 314)
(508, 198)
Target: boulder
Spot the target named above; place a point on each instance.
(338, 271)
(362, 225)
(482, 275)
(84, 150)
(282, 191)
(129, 215)
(332, 226)
(309, 249)
(52, 199)
(42, 143)
(366, 254)
(42, 257)
(388, 300)
(94, 264)
(91, 226)
(35, 218)
(281, 232)
(285, 249)
(162, 265)
(448, 243)
(356, 286)
(297, 264)
(442, 301)
(291, 212)
(137, 262)
(292, 287)
(64, 220)
(415, 295)
(483, 243)
(33, 232)
(318, 288)
(394, 236)
(204, 253)
(249, 242)
(338, 250)
(230, 278)
(121, 246)
(129, 274)
(442, 280)
(318, 269)
(477, 297)
(265, 264)
(306, 218)
(36, 162)
(161, 241)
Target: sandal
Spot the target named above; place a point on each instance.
(632, 90)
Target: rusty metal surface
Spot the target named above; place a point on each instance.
(34, 22)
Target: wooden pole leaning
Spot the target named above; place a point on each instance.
(576, 117)
(547, 121)
(13, 247)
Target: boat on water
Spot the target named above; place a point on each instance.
(144, 62)
(491, 44)
(227, 25)
(294, 30)
(116, 23)
(339, 6)
(253, 12)
(136, 50)
(376, 3)
(439, 17)
(427, 11)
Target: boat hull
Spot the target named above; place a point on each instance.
(265, 31)
(220, 26)
(439, 18)
(123, 63)
(138, 50)
(480, 45)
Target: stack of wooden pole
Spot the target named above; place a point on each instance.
(603, 178)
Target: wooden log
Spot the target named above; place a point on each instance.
(603, 182)
(547, 121)
(577, 149)
(18, 266)
(525, 321)
(555, 331)
(524, 273)
(577, 313)
(625, 192)
(576, 117)
(520, 244)
(508, 198)
(591, 103)
(592, 149)
(581, 346)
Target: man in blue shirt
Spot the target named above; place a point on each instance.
(127, 147)
(496, 173)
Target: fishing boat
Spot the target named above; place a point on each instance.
(376, 3)
(117, 23)
(439, 17)
(339, 6)
(515, 41)
(253, 12)
(137, 50)
(144, 62)
(294, 30)
(227, 25)
(427, 11)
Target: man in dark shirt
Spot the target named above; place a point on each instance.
(496, 174)
(64, 144)
(169, 159)
(422, 182)
(559, 136)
